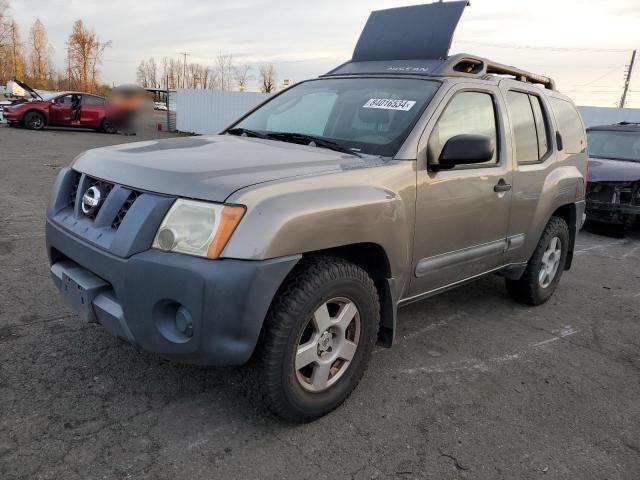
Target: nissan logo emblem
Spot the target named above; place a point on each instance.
(91, 200)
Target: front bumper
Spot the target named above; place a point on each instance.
(11, 117)
(613, 212)
(139, 298)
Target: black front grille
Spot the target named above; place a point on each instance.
(133, 196)
(74, 191)
(82, 183)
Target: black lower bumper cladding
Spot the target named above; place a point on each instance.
(614, 202)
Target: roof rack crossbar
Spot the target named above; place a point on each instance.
(521, 75)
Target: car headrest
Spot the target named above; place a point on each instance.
(374, 115)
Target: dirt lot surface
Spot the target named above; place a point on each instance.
(478, 387)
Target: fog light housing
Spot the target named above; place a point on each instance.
(174, 321)
(184, 322)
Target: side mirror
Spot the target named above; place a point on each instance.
(466, 150)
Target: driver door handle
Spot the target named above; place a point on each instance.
(502, 186)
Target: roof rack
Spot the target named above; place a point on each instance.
(461, 65)
(470, 65)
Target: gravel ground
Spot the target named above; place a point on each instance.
(478, 386)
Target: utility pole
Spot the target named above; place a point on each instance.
(627, 81)
(184, 68)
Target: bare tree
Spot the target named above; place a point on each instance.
(14, 54)
(224, 70)
(84, 55)
(40, 64)
(242, 75)
(268, 78)
(141, 74)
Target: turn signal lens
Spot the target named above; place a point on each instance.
(229, 220)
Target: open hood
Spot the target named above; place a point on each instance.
(31, 91)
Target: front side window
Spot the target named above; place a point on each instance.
(364, 115)
(616, 145)
(468, 113)
(67, 99)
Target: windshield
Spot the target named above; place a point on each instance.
(615, 145)
(361, 115)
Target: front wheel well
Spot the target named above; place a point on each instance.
(568, 214)
(373, 259)
(32, 110)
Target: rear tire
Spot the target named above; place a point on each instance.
(106, 126)
(34, 121)
(545, 267)
(327, 311)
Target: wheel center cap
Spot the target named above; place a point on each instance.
(325, 343)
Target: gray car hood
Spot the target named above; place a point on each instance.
(609, 170)
(209, 167)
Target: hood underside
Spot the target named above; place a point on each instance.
(209, 167)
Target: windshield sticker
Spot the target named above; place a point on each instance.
(387, 104)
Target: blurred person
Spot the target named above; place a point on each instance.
(128, 103)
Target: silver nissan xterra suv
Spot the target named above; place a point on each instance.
(292, 238)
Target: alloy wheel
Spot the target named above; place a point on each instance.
(327, 344)
(550, 262)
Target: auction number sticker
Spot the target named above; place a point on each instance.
(387, 104)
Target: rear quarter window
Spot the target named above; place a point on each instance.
(569, 125)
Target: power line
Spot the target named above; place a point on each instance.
(545, 48)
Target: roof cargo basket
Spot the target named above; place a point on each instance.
(416, 40)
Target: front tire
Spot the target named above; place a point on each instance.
(545, 266)
(317, 338)
(34, 121)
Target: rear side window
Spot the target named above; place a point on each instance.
(569, 125)
(91, 100)
(470, 113)
(530, 127)
(542, 126)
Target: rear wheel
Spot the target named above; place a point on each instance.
(106, 126)
(34, 121)
(545, 266)
(317, 339)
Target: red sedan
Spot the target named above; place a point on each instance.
(68, 109)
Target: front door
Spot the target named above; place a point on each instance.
(462, 214)
(60, 112)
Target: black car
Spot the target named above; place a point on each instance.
(613, 192)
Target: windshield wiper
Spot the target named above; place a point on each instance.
(245, 132)
(311, 140)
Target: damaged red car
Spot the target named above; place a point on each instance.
(66, 109)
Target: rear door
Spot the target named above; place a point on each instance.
(60, 111)
(462, 214)
(91, 111)
(534, 161)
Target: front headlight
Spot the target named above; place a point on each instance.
(198, 228)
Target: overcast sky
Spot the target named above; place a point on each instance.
(584, 44)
